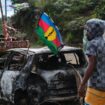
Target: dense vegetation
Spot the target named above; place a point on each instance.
(68, 15)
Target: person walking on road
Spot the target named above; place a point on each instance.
(95, 72)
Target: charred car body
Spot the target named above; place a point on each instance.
(36, 76)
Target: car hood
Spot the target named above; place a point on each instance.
(50, 75)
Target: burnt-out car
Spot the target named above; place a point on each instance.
(36, 76)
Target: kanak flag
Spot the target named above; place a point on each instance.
(49, 33)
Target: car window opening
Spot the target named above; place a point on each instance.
(50, 62)
(17, 61)
(3, 58)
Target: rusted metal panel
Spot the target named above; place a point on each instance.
(5, 45)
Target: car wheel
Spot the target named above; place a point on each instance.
(72, 102)
(21, 98)
(22, 101)
(49, 103)
(36, 89)
(2, 102)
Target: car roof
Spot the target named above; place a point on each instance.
(42, 50)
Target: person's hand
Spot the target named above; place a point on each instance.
(82, 90)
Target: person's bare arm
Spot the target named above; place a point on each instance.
(87, 75)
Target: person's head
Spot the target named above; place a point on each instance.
(94, 28)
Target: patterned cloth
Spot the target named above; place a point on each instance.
(96, 47)
(94, 97)
(94, 28)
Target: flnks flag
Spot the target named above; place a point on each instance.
(49, 33)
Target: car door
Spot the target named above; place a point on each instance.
(3, 60)
(13, 67)
(77, 59)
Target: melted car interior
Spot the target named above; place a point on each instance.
(50, 61)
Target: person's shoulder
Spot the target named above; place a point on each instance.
(96, 41)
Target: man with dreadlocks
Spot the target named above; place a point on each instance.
(95, 73)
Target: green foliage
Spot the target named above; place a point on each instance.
(100, 9)
(69, 15)
(24, 21)
(18, 1)
(38, 3)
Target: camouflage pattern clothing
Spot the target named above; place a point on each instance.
(96, 47)
(95, 29)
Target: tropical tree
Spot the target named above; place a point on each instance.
(68, 15)
(18, 1)
(25, 18)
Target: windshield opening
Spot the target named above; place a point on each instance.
(50, 61)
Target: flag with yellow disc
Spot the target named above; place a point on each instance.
(49, 33)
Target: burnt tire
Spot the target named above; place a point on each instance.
(72, 102)
(2, 102)
(36, 89)
(49, 103)
(21, 98)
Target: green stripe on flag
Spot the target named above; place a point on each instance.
(51, 46)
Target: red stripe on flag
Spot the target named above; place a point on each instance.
(43, 25)
(57, 42)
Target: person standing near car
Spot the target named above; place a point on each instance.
(95, 73)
